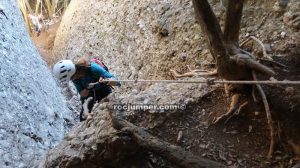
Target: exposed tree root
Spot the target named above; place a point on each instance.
(253, 95)
(237, 111)
(246, 60)
(265, 54)
(234, 105)
(195, 72)
(295, 147)
(268, 115)
(263, 96)
(273, 62)
(171, 152)
(226, 89)
(244, 42)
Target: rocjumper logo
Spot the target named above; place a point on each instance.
(148, 107)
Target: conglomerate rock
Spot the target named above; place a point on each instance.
(33, 113)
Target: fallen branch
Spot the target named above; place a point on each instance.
(171, 152)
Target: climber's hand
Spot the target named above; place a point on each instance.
(103, 81)
(90, 86)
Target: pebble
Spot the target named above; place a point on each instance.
(146, 101)
(202, 146)
(296, 166)
(250, 128)
(180, 135)
(234, 132)
(183, 57)
(268, 48)
(229, 162)
(282, 34)
(289, 90)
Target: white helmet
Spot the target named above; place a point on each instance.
(64, 70)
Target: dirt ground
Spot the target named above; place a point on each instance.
(45, 41)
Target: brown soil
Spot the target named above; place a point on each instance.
(44, 43)
(231, 143)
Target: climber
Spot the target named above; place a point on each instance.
(84, 74)
(35, 20)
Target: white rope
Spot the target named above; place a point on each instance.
(212, 81)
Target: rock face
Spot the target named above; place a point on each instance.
(98, 144)
(34, 116)
(81, 143)
(145, 39)
(141, 39)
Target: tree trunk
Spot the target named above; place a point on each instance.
(54, 6)
(233, 21)
(210, 26)
(25, 15)
(49, 8)
(37, 7)
(28, 6)
(232, 63)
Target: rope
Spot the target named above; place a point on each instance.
(212, 81)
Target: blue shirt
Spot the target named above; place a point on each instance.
(94, 73)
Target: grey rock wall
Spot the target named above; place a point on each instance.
(141, 39)
(33, 113)
(146, 39)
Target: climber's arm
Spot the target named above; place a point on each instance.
(105, 77)
(84, 92)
